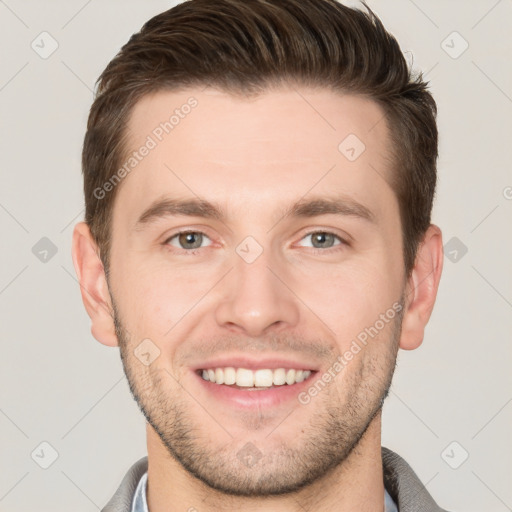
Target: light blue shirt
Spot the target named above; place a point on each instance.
(140, 504)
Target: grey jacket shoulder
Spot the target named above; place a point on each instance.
(122, 499)
(399, 479)
(404, 486)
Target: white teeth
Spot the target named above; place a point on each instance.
(229, 375)
(244, 378)
(290, 377)
(262, 378)
(279, 377)
(219, 376)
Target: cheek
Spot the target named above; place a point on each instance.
(350, 297)
(157, 298)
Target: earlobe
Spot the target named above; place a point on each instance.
(93, 285)
(421, 289)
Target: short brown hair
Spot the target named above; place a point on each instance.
(246, 46)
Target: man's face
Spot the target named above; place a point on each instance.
(253, 287)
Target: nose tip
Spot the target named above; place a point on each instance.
(253, 323)
(255, 302)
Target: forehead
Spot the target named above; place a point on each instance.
(272, 148)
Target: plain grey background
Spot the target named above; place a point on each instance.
(449, 412)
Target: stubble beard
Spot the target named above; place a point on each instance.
(326, 438)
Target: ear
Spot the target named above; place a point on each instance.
(421, 288)
(93, 285)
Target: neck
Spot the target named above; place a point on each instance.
(356, 484)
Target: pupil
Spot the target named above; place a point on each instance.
(323, 239)
(187, 240)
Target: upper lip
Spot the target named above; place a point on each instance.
(251, 363)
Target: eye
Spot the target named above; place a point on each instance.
(187, 240)
(323, 240)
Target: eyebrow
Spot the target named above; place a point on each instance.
(196, 207)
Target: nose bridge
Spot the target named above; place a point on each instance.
(255, 300)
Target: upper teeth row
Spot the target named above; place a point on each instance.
(259, 378)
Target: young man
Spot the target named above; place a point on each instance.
(259, 178)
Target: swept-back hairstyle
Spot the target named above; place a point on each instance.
(247, 46)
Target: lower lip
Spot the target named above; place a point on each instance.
(254, 399)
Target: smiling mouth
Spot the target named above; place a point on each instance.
(261, 379)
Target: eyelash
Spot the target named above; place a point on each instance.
(314, 250)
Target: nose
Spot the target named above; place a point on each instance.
(256, 299)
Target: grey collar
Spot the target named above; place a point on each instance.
(400, 481)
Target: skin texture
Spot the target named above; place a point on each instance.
(254, 158)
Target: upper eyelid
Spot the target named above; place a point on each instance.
(180, 231)
(185, 231)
